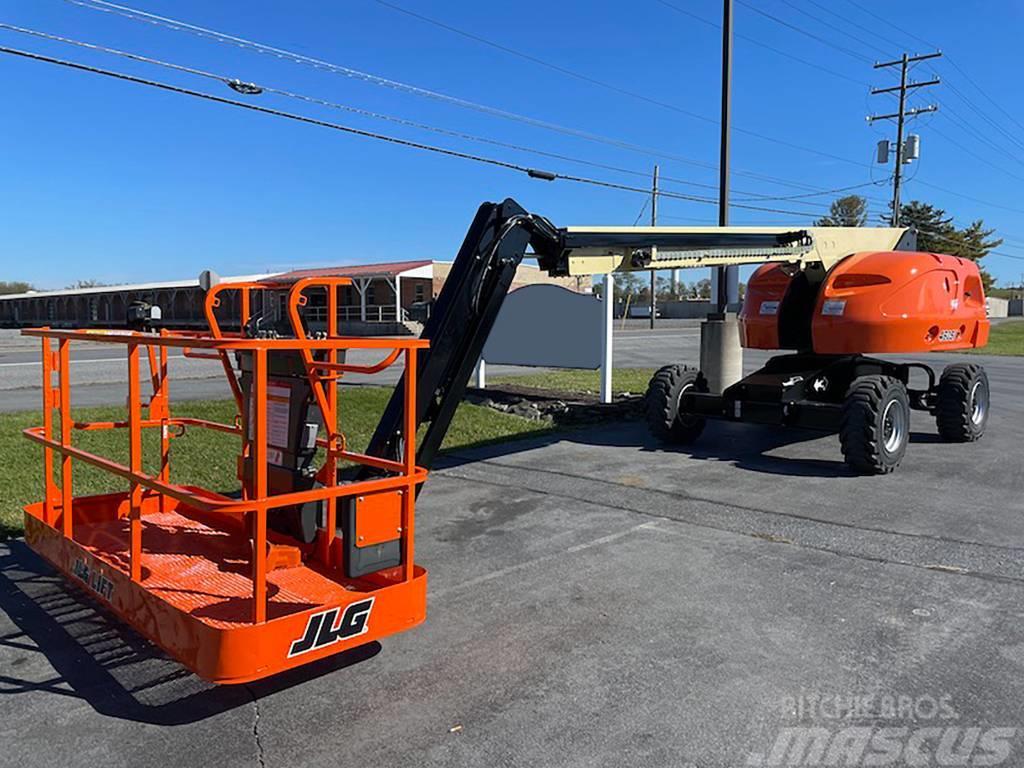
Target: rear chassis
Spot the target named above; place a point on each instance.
(804, 390)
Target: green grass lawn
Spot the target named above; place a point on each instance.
(1006, 338)
(632, 380)
(203, 457)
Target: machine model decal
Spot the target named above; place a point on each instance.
(93, 578)
(325, 629)
(833, 307)
(769, 307)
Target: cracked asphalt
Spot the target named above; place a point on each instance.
(597, 600)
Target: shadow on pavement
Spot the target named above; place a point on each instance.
(744, 446)
(98, 659)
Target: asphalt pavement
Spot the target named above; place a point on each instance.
(598, 600)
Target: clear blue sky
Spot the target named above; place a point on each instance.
(117, 182)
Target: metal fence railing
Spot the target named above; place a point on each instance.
(380, 313)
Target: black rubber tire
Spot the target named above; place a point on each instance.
(961, 387)
(661, 404)
(863, 431)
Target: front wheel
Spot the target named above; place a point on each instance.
(961, 411)
(875, 424)
(666, 419)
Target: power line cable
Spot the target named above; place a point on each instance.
(223, 37)
(950, 60)
(532, 172)
(833, 27)
(954, 117)
(947, 239)
(888, 23)
(983, 92)
(754, 41)
(860, 57)
(946, 57)
(984, 116)
(871, 31)
(815, 194)
(963, 124)
(543, 62)
(971, 197)
(268, 110)
(182, 26)
(640, 215)
(255, 88)
(974, 154)
(601, 83)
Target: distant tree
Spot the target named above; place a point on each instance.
(627, 284)
(934, 227)
(936, 233)
(701, 289)
(668, 292)
(974, 242)
(849, 211)
(14, 286)
(86, 284)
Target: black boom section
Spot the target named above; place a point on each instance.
(459, 324)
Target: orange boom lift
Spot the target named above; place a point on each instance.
(314, 553)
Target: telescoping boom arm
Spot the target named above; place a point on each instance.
(600, 250)
(496, 243)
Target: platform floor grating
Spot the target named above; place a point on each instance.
(205, 572)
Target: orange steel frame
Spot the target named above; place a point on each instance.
(234, 649)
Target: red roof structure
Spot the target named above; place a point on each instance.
(390, 269)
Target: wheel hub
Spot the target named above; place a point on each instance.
(682, 416)
(894, 426)
(979, 403)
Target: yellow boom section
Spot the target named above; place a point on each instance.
(828, 246)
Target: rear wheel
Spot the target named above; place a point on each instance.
(875, 425)
(962, 405)
(666, 419)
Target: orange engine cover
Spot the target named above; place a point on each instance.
(872, 302)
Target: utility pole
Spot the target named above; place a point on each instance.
(654, 223)
(721, 356)
(726, 275)
(901, 116)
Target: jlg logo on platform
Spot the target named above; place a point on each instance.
(326, 628)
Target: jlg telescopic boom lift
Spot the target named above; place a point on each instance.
(313, 554)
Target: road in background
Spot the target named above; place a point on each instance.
(99, 370)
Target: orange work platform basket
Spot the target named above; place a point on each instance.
(199, 571)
